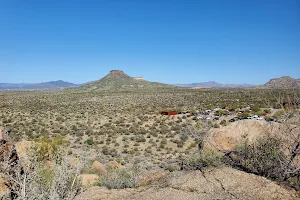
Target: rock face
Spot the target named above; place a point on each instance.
(284, 82)
(8, 155)
(230, 136)
(3, 188)
(222, 183)
(139, 78)
(99, 167)
(88, 179)
(117, 73)
(7, 149)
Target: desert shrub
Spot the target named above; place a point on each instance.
(216, 126)
(90, 141)
(164, 141)
(184, 138)
(207, 158)
(38, 178)
(223, 122)
(180, 143)
(278, 114)
(119, 178)
(59, 182)
(243, 115)
(263, 157)
(140, 139)
(46, 148)
(255, 108)
(170, 167)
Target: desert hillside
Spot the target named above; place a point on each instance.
(117, 80)
(285, 82)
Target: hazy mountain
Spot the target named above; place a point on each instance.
(12, 86)
(118, 80)
(284, 82)
(214, 84)
(52, 85)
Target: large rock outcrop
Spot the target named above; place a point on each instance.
(221, 183)
(230, 136)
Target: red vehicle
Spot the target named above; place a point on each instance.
(170, 113)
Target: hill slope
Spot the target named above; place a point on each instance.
(118, 80)
(284, 82)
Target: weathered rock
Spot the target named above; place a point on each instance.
(3, 188)
(99, 167)
(22, 148)
(8, 159)
(222, 183)
(88, 179)
(1, 133)
(113, 165)
(230, 136)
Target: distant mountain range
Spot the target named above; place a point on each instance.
(118, 80)
(52, 85)
(214, 84)
(285, 82)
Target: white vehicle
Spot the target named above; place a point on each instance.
(259, 118)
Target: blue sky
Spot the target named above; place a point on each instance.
(170, 41)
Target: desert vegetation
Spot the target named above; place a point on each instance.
(126, 128)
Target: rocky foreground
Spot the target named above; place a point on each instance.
(218, 183)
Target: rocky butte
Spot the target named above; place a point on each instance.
(117, 80)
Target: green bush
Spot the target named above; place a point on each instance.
(223, 122)
(255, 108)
(278, 114)
(119, 179)
(90, 141)
(47, 148)
(263, 157)
(184, 138)
(207, 158)
(216, 126)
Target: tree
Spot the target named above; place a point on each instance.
(200, 132)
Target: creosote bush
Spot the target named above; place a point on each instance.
(263, 157)
(120, 178)
(208, 158)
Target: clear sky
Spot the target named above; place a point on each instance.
(170, 41)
